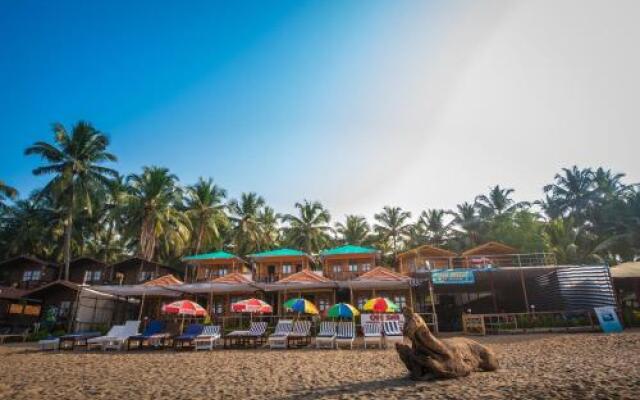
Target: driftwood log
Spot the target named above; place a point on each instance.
(431, 358)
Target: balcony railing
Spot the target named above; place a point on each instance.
(482, 261)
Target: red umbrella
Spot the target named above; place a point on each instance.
(184, 307)
(253, 306)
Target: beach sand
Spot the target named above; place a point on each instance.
(569, 366)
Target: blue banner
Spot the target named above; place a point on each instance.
(608, 319)
(453, 277)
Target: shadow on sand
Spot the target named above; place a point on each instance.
(358, 388)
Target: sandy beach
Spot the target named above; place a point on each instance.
(532, 367)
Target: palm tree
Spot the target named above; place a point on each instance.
(204, 207)
(498, 202)
(608, 185)
(152, 202)
(392, 226)
(436, 228)
(6, 192)
(354, 231)
(572, 192)
(247, 233)
(268, 220)
(75, 162)
(309, 230)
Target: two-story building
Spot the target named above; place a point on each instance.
(210, 266)
(273, 265)
(348, 262)
(136, 270)
(27, 272)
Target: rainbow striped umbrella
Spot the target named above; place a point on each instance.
(381, 305)
(301, 306)
(253, 306)
(343, 310)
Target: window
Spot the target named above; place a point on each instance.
(353, 267)
(87, 276)
(64, 308)
(400, 300)
(323, 304)
(287, 268)
(92, 276)
(222, 272)
(337, 268)
(218, 307)
(365, 267)
(146, 276)
(33, 275)
(360, 302)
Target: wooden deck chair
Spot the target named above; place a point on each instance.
(372, 332)
(257, 334)
(326, 338)
(345, 334)
(278, 340)
(301, 334)
(392, 332)
(208, 339)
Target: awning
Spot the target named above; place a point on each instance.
(284, 286)
(373, 284)
(137, 290)
(216, 287)
(626, 270)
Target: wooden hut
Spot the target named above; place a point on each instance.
(348, 261)
(209, 266)
(273, 265)
(380, 282)
(311, 285)
(423, 258)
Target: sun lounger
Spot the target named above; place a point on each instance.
(49, 343)
(207, 339)
(326, 338)
(372, 332)
(118, 342)
(79, 339)
(22, 335)
(392, 332)
(188, 336)
(345, 334)
(255, 335)
(154, 335)
(278, 340)
(115, 331)
(301, 334)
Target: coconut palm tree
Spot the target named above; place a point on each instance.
(247, 235)
(204, 206)
(75, 161)
(497, 203)
(392, 226)
(152, 202)
(437, 229)
(309, 230)
(354, 231)
(6, 192)
(268, 220)
(572, 193)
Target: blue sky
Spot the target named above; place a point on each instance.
(355, 104)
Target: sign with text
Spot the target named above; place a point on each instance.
(608, 319)
(453, 277)
(365, 318)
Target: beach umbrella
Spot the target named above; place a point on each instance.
(301, 306)
(343, 310)
(253, 306)
(381, 305)
(184, 307)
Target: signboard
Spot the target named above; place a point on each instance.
(608, 319)
(365, 318)
(453, 277)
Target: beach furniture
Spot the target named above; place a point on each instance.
(21, 335)
(254, 336)
(118, 342)
(79, 339)
(301, 333)
(208, 338)
(326, 338)
(97, 341)
(372, 332)
(392, 332)
(154, 335)
(345, 334)
(49, 343)
(278, 340)
(188, 336)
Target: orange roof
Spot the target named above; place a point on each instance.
(382, 274)
(304, 276)
(163, 281)
(429, 250)
(490, 248)
(234, 277)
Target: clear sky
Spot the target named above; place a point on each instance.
(357, 104)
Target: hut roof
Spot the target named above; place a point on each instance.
(347, 250)
(430, 250)
(164, 280)
(216, 255)
(232, 278)
(382, 274)
(304, 276)
(626, 270)
(283, 252)
(79, 260)
(11, 293)
(25, 257)
(490, 248)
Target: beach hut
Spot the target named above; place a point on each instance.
(311, 285)
(348, 261)
(380, 282)
(274, 265)
(209, 266)
(421, 259)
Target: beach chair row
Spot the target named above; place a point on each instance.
(336, 334)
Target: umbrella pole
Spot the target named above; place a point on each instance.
(141, 307)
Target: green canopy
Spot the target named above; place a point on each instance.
(348, 249)
(279, 253)
(218, 255)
